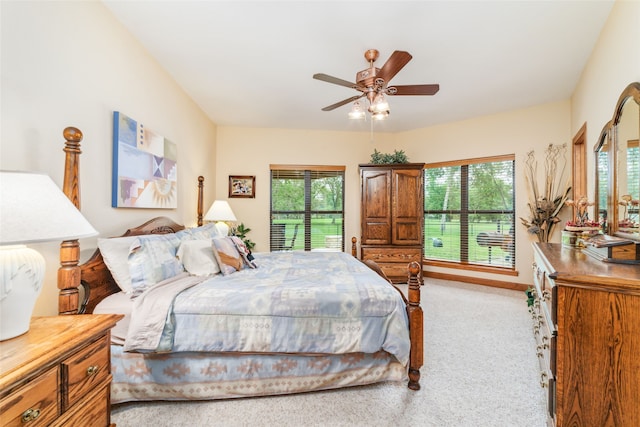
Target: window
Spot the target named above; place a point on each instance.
(633, 175)
(469, 212)
(307, 207)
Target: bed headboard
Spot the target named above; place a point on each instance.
(96, 280)
(93, 277)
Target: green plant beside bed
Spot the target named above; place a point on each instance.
(241, 232)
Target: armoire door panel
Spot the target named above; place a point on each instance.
(377, 233)
(407, 207)
(408, 193)
(376, 207)
(406, 232)
(392, 216)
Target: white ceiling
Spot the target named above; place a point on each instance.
(251, 63)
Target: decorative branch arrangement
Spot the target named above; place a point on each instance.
(545, 204)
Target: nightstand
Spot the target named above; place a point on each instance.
(58, 373)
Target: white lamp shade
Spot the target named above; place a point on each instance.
(34, 209)
(220, 211)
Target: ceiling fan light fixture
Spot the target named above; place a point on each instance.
(380, 104)
(372, 83)
(380, 115)
(356, 113)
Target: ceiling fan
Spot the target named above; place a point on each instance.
(373, 82)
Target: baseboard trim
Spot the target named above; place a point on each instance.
(476, 280)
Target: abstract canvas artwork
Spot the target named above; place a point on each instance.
(145, 167)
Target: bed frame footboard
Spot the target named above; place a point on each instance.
(416, 325)
(414, 312)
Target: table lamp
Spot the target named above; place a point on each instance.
(32, 209)
(220, 212)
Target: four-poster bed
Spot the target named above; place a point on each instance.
(334, 351)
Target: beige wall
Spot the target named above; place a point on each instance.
(614, 63)
(72, 64)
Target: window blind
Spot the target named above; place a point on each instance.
(307, 208)
(469, 212)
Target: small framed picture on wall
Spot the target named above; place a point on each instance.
(242, 186)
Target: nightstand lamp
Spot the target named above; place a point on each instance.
(221, 212)
(32, 210)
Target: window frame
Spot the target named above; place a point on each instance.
(307, 212)
(464, 213)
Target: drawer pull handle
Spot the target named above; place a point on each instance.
(544, 381)
(92, 370)
(30, 415)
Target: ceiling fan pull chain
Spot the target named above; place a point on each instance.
(371, 137)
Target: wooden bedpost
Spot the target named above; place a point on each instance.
(200, 186)
(354, 247)
(69, 272)
(416, 325)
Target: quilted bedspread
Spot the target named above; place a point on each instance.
(294, 302)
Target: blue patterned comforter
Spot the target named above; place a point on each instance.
(294, 302)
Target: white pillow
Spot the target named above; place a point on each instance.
(204, 232)
(197, 257)
(115, 253)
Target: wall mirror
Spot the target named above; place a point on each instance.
(617, 157)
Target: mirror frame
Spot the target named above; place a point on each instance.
(609, 133)
(604, 138)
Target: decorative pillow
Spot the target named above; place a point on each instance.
(153, 259)
(227, 255)
(205, 232)
(115, 253)
(197, 257)
(244, 252)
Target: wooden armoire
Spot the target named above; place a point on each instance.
(392, 216)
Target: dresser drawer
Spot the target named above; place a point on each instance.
(93, 410)
(389, 255)
(35, 404)
(85, 371)
(395, 272)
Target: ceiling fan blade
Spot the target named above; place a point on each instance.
(334, 80)
(341, 103)
(417, 89)
(395, 63)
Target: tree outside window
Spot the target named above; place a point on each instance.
(307, 208)
(469, 212)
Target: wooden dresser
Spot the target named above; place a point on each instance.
(392, 217)
(587, 326)
(58, 373)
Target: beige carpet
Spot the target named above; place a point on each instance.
(480, 370)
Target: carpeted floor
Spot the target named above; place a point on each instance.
(480, 370)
